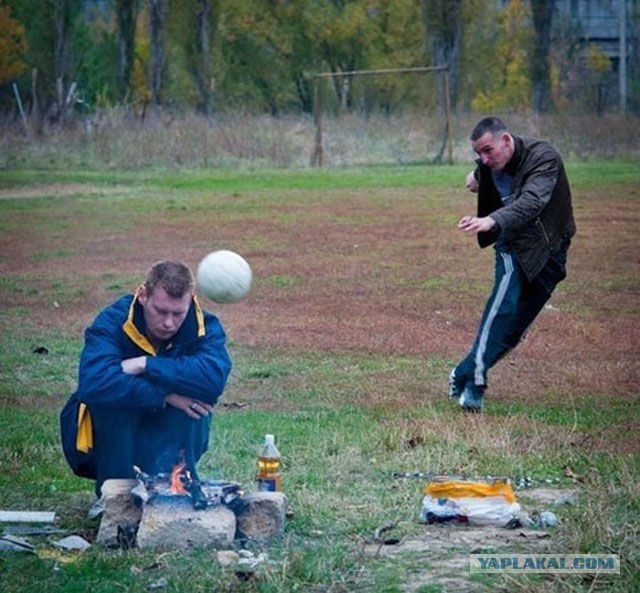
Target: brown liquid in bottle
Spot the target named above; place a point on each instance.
(269, 478)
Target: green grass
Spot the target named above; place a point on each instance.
(583, 174)
(345, 420)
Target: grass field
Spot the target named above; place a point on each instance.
(365, 294)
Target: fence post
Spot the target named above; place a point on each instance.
(27, 129)
(447, 102)
(316, 159)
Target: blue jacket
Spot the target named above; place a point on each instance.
(194, 364)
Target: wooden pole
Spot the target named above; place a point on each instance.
(317, 150)
(447, 101)
(27, 129)
(35, 106)
(622, 64)
(381, 71)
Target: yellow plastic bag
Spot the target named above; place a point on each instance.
(479, 503)
(463, 489)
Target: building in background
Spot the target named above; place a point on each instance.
(609, 25)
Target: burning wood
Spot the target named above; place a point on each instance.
(181, 482)
(178, 475)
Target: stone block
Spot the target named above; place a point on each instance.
(121, 515)
(260, 515)
(172, 523)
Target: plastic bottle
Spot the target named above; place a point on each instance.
(269, 479)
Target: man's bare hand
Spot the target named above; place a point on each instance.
(134, 366)
(473, 225)
(472, 183)
(193, 408)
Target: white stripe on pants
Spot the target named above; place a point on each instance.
(501, 292)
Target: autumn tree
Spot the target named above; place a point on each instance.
(506, 83)
(303, 56)
(13, 46)
(262, 55)
(201, 68)
(396, 41)
(346, 37)
(443, 33)
(66, 20)
(271, 49)
(252, 71)
(542, 13)
(126, 13)
(158, 14)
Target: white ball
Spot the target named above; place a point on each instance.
(224, 276)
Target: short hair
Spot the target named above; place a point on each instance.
(174, 276)
(491, 124)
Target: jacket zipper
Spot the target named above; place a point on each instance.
(544, 231)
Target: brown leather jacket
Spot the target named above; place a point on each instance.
(539, 217)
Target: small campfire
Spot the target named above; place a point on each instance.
(181, 483)
(178, 509)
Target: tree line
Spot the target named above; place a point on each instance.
(262, 55)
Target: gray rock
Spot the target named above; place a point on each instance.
(172, 523)
(72, 542)
(261, 515)
(121, 515)
(227, 557)
(548, 519)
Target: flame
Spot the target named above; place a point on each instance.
(176, 482)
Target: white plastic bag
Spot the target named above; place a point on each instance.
(469, 502)
(490, 510)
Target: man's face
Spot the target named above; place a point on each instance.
(494, 151)
(163, 314)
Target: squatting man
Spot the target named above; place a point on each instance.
(153, 366)
(524, 210)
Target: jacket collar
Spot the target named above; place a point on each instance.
(192, 328)
(518, 152)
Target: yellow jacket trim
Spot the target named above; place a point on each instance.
(132, 331)
(84, 436)
(141, 341)
(199, 316)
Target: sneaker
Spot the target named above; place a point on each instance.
(471, 399)
(455, 388)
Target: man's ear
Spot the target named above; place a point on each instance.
(142, 294)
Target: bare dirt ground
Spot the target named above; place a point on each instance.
(370, 272)
(440, 546)
(367, 273)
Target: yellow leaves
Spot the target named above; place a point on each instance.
(139, 77)
(597, 61)
(510, 85)
(13, 46)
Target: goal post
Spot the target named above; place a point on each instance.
(345, 78)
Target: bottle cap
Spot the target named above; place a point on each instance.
(269, 439)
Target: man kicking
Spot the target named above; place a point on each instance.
(524, 210)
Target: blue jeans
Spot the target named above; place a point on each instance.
(511, 308)
(154, 441)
